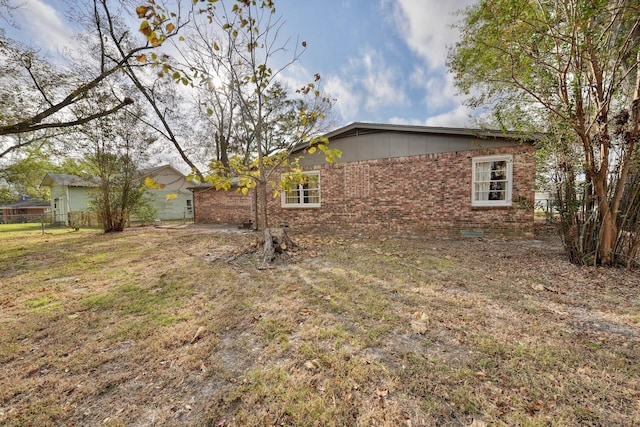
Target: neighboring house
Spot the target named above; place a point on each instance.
(545, 201)
(71, 193)
(26, 209)
(172, 183)
(397, 179)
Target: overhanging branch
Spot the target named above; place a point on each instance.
(29, 126)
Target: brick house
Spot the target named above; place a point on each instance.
(25, 209)
(398, 179)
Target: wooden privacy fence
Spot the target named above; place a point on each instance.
(79, 219)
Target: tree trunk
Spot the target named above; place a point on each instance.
(268, 249)
(263, 220)
(276, 241)
(608, 234)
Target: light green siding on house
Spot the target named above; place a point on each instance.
(66, 198)
(79, 198)
(172, 183)
(179, 207)
(70, 193)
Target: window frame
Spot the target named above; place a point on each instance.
(300, 189)
(508, 200)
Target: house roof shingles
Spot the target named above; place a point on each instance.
(68, 180)
(26, 203)
(78, 181)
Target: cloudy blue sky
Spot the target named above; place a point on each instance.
(382, 60)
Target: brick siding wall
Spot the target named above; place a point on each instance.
(426, 194)
(221, 207)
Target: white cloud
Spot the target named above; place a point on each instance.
(43, 27)
(295, 76)
(439, 89)
(366, 83)
(426, 27)
(404, 121)
(347, 100)
(379, 82)
(458, 117)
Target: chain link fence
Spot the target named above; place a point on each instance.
(73, 219)
(25, 218)
(77, 219)
(46, 219)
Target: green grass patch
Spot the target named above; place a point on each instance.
(99, 302)
(138, 326)
(144, 300)
(43, 303)
(32, 230)
(274, 328)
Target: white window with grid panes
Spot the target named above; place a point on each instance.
(492, 181)
(305, 194)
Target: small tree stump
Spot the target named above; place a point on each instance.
(276, 241)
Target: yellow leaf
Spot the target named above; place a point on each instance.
(150, 183)
(142, 11)
(312, 150)
(145, 29)
(245, 190)
(170, 27)
(171, 196)
(215, 46)
(141, 58)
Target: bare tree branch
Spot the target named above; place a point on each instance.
(71, 123)
(35, 122)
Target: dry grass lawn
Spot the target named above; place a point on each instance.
(171, 327)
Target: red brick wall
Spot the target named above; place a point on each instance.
(428, 194)
(221, 207)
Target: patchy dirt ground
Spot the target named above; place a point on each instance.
(181, 326)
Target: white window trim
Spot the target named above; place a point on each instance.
(301, 204)
(509, 189)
